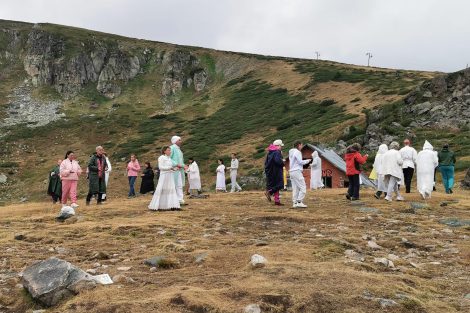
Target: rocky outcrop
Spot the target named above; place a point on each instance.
(442, 102)
(181, 70)
(51, 60)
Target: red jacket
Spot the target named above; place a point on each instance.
(353, 162)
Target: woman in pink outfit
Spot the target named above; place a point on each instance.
(133, 167)
(69, 173)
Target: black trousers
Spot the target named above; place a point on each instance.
(408, 174)
(100, 195)
(354, 184)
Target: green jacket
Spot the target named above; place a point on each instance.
(93, 174)
(55, 184)
(446, 157)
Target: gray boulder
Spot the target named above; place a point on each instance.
(53, 280)
(3, 179)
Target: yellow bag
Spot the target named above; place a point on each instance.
(373, 174)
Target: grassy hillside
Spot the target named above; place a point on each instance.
(248, 101)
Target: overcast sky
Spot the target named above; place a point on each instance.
(409, 34)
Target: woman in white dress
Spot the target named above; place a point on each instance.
(106, 174)
(381, 187)
(165, 197)
(316, 172)
(194, 177)
(220, 183)
(425, 164)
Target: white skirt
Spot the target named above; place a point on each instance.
(220, 183)
(165, 197)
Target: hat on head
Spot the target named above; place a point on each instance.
(278, 142)
(175, 139)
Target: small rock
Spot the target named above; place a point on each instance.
(373, 245)
(124, 268)
(312, 230)
(91, 271)
(252, 308)
(353, 255)
(200, 258)
(385, 262)
(153, 269)
(258, 261)
(418, 205)
(415, 265)
(39, 311)
(20, 237)
(384, 303)
(101, 255)
(393, 257)
(261, 243)
(122, 279)
(96, 264)
(113, 261)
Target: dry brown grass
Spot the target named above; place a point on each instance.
(307, 270)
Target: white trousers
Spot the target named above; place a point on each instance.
(298, 186)
(233, 180)
(106, 178)
(179, 187)
(392, 185)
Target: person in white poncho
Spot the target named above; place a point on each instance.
(426, 163)
(316, 172)
(392, 170)
(194, 177)
(165, 197)
(381, 187)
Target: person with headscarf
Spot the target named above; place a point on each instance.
(147, 175)
(354, 161)
(177, 157)
(165, 197)
(392, 171)
(409, 155)
(316, 181)
(446, 166)
(194, 178)
(54, 188)
(381, 187)
(426, 163)
(273, 168)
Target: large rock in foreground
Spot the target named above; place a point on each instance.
(53, 280)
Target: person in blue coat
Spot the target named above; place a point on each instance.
(273, 167)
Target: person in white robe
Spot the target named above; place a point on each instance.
(194, 178)
(426, 162)
(165, 197)
(234, 164)
(392, 170)
(106, 174)
(316, 181)
(220, 182)
(381, 187)
(177, 156)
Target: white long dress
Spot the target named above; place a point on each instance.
(316, 172)
(425, 164)
(194, 177)
(165, 197)
(220, 183)
(379, 168)
(106, 176)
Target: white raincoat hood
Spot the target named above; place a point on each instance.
(382, 149)
(427, 146)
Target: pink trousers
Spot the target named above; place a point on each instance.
(69, 188)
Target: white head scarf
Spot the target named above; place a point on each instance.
(427, 146)
(382, 149)
(175, 139)
(314, 154)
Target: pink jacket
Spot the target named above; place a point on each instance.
(133, 168)
(66, 167)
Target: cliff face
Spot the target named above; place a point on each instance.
(50, 59)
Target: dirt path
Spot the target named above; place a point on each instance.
(310, 267)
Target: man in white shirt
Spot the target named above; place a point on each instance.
(296, 168)
(233, 174)
(409, 156)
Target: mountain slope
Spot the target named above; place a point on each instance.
(68, 88)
